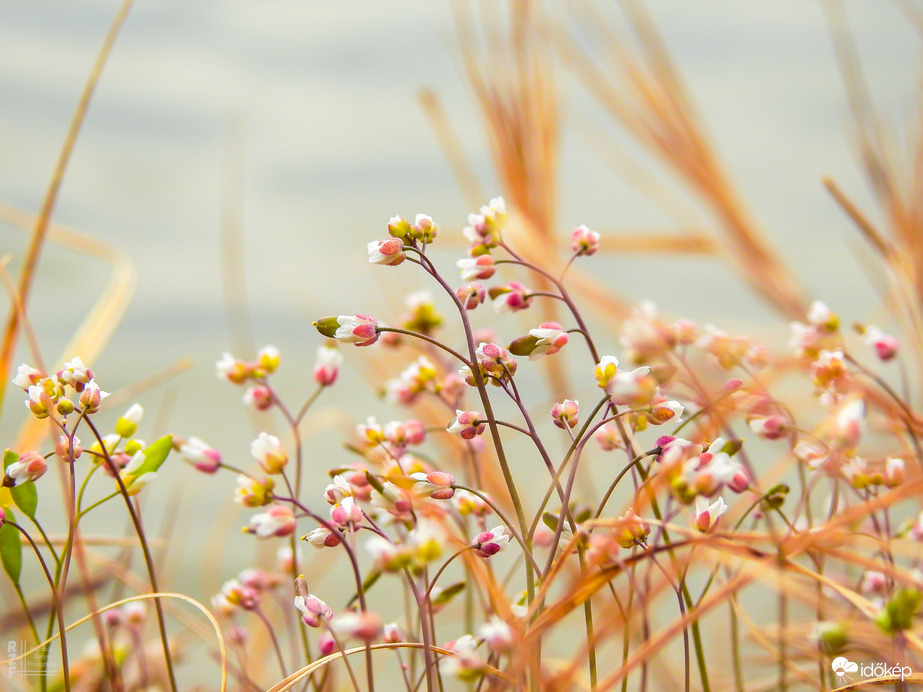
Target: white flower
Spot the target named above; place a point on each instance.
(270, 454)
(313, 610)
(497, 634)
(26, 376)
(706, 516)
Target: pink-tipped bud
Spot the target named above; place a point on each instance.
(489, 543)
(327, 365)
(388, 252)
(91, 397)
(205, 458)
(437, 485)
(476, 268)
(29, 467)
(361, 330)
(277, 520)
(565, 414)
(468, 424)
(471, 295)
(583, 241)
(258, 397)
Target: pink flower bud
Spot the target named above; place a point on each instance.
(258, 397)
(510, 298)
(366, 626)
(277, 520)
(346, 512)
(489, 543)
(583, 241)
(886, 346)
(769, 428)
(476, 268)
(30, 467)
(565, 414)
(471, 295)
(437, 485)
(388, 252)
(91, 397)
(313, 610)
(361, 330)
(327, 644)
(465, 424)
(205, 458)
(706, 516)
(327, 365)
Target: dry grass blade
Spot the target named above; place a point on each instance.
(320, 663)
(646, 96)
(141, 597)
(41, 223)
(100, 323)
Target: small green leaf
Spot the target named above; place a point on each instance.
(9, 457)
(11, 549)
(375, 482)
(154, 456)
(448, 593)
(551, 520)
(25, 496)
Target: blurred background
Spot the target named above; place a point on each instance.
(286, 132)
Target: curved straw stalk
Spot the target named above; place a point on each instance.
(41, 223)
(142, 597)
(320, 663)
(100, 323)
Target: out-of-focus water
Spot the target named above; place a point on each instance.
(334, 142)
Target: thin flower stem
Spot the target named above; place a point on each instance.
(83, 486)
(439, 572)
(302, 412)
(145, 550)
(567, 457)
(45, 539)
(96, 504)
(55, 601)
(565, 296)
(491, 418)
(26, 611)
(275, 640)
(509, 525)
(345, 659)
(428, 339)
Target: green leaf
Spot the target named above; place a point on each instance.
(9, 457)
(154, 456)
(375, 482)
(448, 593)
(25, 496)
(551, 520)
(11, 549)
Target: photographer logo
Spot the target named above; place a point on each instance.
(842, 667)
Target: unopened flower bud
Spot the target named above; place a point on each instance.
(388, 252)
(468, 424)
(270, 454)
(583, 241)
(327, 365)
(127, 425)
(565, 414)
(29, 467)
